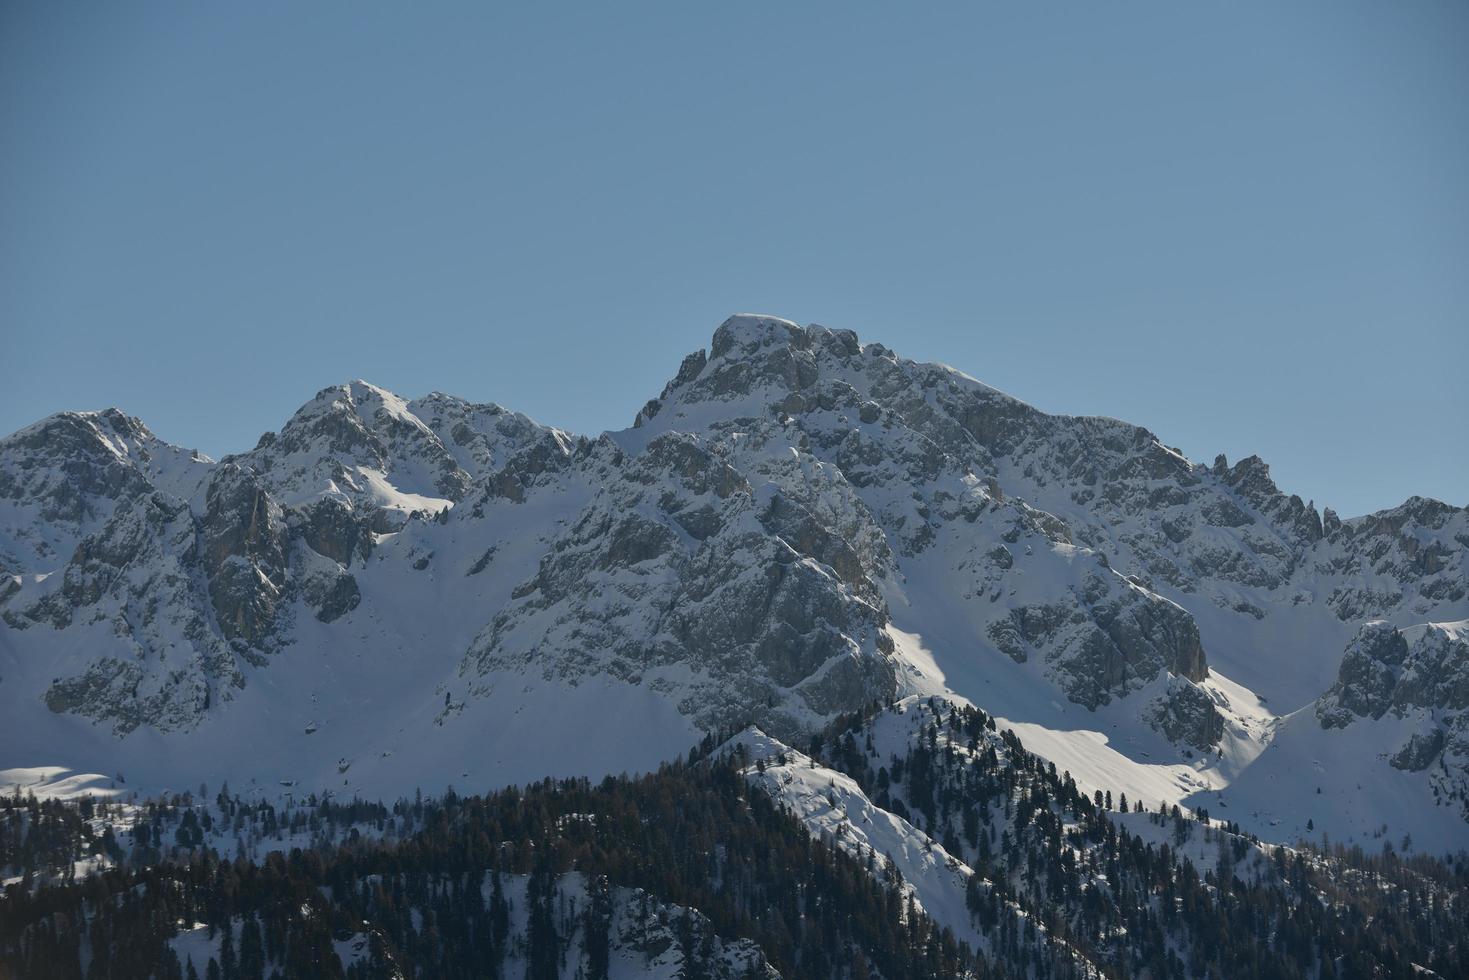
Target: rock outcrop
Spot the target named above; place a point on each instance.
(1419, 678)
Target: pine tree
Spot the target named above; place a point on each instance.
(252, 950)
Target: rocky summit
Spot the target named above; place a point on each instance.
(389, 593)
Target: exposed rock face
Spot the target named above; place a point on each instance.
(679, 576)
(71, 466)
(332, 594)
(1420, 677)
(99, 507)
(63, 477)
(1367, 682)
(1411, 557)
(1188, 715)
(486, 438)
(1114, 486)
(332, 529)
(244, 550)
(1107, 640)
(135, 580)
(890, 449)
(1420, 750)
(1387, 669)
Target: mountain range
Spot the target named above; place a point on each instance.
(390, 594)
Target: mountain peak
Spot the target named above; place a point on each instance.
(99, 426)
(358, 396)
(749, 330)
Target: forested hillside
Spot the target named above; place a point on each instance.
(704, 869)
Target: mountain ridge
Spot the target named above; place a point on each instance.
(799, 523)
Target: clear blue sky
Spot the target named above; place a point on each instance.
(1245, 226)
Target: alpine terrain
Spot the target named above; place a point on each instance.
(831, 664)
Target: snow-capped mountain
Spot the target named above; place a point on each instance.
(389, 593)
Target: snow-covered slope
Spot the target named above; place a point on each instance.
(835, 809)
(1382, 754)
(798, 525)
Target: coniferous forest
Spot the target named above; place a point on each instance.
(697, 871)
